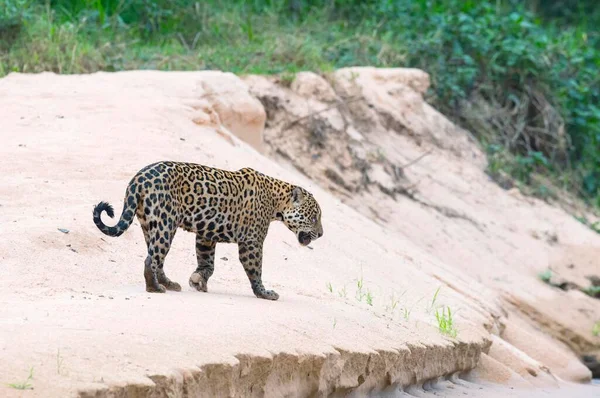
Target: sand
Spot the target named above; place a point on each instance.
(72, 302)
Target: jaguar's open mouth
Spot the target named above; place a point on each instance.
(304, 238)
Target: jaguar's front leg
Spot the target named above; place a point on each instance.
(251, 258)
(205, 253)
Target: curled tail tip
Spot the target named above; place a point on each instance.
(104, 206)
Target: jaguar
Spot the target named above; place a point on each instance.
(219, 206)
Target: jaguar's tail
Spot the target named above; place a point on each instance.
(130, 205)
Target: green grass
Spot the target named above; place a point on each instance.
(596, 329)
(445, 322)
(216, 36)
(359, 289)
(359, 284)
(545, 275)
(593, 225)
(593, 291)
(433, 300)
(393, 304)
(287, 78)
(59, 362)
(329, 287)
(369, 298)
(25, 385)
(521, 76)
(406, 313)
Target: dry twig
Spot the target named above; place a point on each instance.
(414, 161)
(294, 122)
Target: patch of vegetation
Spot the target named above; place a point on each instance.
(287, 78)
(433, 300)
(369, 298)
(521, 75)
(359, 289)
(360, 294)
(596, 329)
(25, 385)
(445, 322)
(393, 303)
(594, 226)
(329, 287)
(59, 362)
(593, 291)
(520, 171)
(406, 313)
(545, 275)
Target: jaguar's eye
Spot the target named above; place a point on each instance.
(314, 220)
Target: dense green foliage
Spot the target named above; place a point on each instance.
(522, 76)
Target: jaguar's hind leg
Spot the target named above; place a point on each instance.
(152, 285)
(166, 282)
(159, 243)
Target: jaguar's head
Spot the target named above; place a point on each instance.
(302, 216)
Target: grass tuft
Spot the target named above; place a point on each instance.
(593, 291)
(545, 275)
(359, 292)
(25, 385)
(393, 303)
(329, 287)
(433, 300)
(445, 322)
(406, 313)
(369, 298)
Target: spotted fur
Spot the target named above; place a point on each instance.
(219, 206)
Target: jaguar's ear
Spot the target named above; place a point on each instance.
(297, 196)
